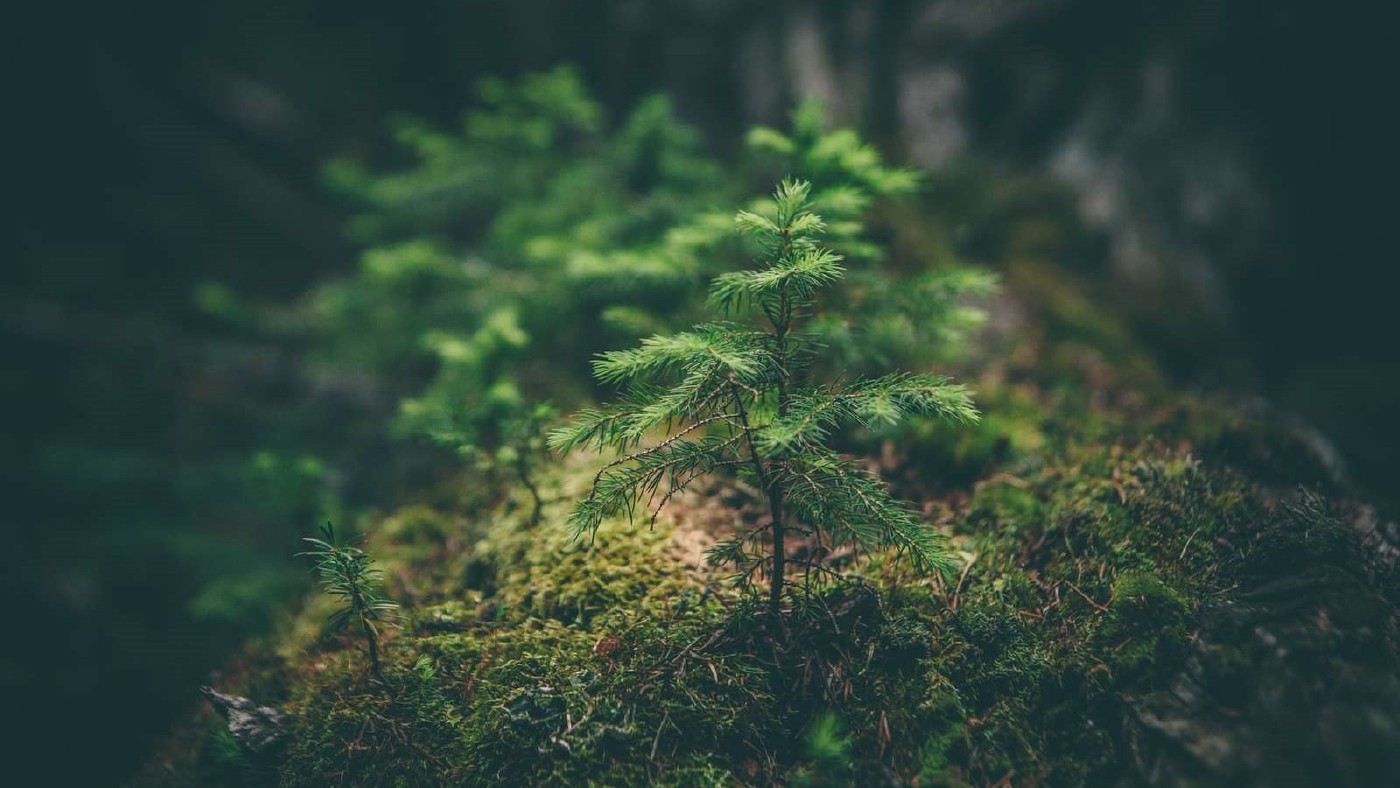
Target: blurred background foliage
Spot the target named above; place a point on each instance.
(205, 328)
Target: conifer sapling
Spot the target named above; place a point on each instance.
(739, 396)
(347, 573)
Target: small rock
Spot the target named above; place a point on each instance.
(255, 728)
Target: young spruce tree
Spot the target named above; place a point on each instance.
(739, 396)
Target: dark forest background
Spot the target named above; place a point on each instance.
(1232, 159)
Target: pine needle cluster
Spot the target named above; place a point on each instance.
(740, 396)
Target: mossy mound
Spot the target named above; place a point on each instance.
(1098, 587)
(1147, 596)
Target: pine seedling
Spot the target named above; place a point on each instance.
(520, 451)
(348, 574)
(740, 396)
(512, 450)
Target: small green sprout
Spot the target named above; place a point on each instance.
(347, 573)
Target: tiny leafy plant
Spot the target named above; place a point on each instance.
(740, 396)
(347, 573)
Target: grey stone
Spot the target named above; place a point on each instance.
(256, 728)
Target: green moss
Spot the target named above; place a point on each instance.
(1302, 534)
(415, 526)
(1145, 632)
(548, 573)
(1079, 592)
(943, 723)
(1006, 509)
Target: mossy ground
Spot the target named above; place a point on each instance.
(1110, 531)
